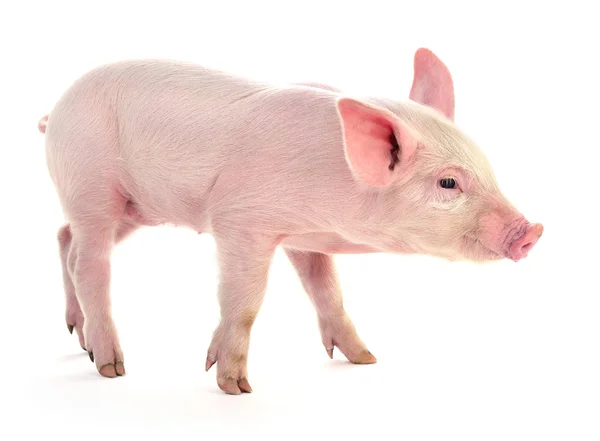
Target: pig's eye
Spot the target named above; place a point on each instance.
(448, 183)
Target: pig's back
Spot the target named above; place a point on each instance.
(183, 140)
(144, 124)
(178, 125)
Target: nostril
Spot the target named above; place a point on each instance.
(526, 247)
(523, 245)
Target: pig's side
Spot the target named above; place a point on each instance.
(257, 166)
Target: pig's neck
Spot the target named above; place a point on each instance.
(371, 222)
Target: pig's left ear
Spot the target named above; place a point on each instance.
(378, 145)
(432, 83)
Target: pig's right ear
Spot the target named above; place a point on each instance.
(378, 145)
(432, 83)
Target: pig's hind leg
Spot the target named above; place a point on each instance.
(74, 315)
(97, 222)
(318, 276)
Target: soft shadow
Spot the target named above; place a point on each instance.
(92, 376)
(343, 364)
(71, 357)
(219, 392)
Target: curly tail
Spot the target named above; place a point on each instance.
(43, 123)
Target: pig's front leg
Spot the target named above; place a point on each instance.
(318, 276)
(244, 264)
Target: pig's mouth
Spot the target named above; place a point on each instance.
(474, 249)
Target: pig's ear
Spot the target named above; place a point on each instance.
(378, 145)
(432, 83)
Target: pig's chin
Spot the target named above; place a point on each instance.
(472, 249)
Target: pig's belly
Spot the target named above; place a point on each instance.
(326, 243)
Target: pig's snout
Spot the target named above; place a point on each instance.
(521, 246)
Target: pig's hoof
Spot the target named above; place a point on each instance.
(230, 359)
(231, 386)
(365, 357)
(102, 343)
(340, 332)
(74, 318)
(234, 387)
(112, 370)
(75, 323)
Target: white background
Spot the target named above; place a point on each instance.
(505, 351)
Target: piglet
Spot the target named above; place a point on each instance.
(301, 166)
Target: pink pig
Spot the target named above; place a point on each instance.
(257, 166)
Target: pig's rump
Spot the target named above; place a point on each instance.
(158, 142)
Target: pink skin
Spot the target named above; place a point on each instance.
(508, 234)
(520, 247)
(43, 122)
(432, 83)
(304, 167)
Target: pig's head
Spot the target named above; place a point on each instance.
(436, 192)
